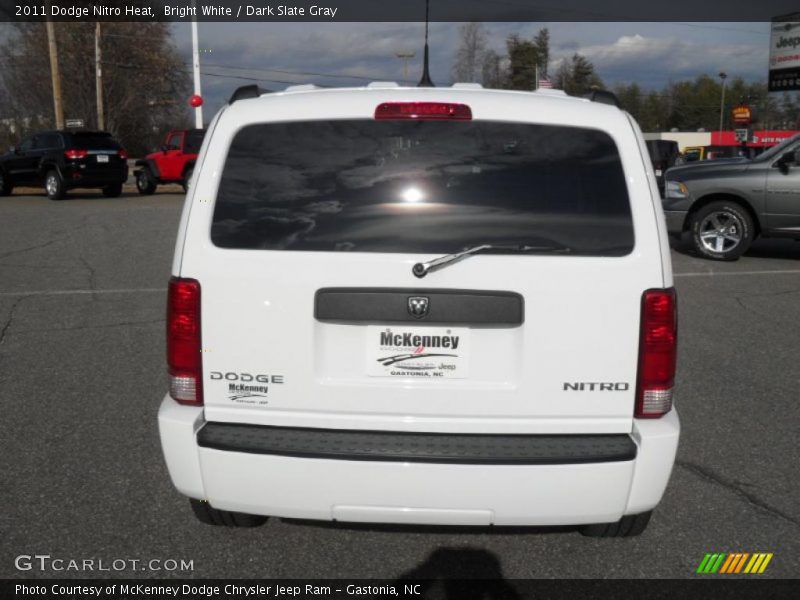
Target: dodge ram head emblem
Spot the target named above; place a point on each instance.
(418, 306)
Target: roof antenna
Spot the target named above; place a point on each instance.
(426, 76)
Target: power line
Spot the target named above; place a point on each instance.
(303, 73)
(241, 77)
(720, 28)
(10, 59)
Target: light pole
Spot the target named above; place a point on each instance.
(198, 110)
(723, 76)
(405, 56)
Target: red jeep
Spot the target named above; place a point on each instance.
(174, 163)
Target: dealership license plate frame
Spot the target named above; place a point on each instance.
(435, 360)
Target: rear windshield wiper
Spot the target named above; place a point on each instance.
(423, 268)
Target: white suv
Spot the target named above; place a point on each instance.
(422, 305)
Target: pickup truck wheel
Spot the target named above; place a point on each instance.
(627, 526)
(54, 185)
(187, 178)
(721, 230)
(211, 516)
(5, 185)
(112, 191)
(145, 182)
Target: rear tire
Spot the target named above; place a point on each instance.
(627, 526)
(113, 191)
(721, 230)
(5, 185)
(209, 515)
(54, 185)
(145, 182)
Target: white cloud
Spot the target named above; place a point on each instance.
(657, 59)
(650, 53)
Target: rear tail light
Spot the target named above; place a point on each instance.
(73, 154)
(123, 154)
(183, 341)
(429, 111)
(657, 354)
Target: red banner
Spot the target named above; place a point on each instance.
(761, 138)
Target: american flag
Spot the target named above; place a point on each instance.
(545, 83)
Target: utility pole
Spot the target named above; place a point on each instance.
(722, 76)
(54, 74)
(98, 70)
(198, 111)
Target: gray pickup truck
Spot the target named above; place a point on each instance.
(725, 204)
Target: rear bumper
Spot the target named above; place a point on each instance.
(435, 448)
(74, 176)
(397, 488)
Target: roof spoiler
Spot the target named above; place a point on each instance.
(603, 96)
(245, 92)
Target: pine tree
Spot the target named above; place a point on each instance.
(523, 58)
(542, 43)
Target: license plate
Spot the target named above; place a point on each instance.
(658, 172)
(102, 158)
(417, 352)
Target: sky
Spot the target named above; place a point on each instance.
(345, 54)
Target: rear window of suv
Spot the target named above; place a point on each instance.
(422, 187)
(93, 141)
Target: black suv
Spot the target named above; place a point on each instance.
(60, 160)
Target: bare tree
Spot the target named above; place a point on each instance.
(562, 75)
(493, 74)
(145, 82)
(470, 54)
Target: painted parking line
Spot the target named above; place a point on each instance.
(84, 292)
(735, 273)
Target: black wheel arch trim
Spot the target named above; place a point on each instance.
(50, 166)
(149, 163)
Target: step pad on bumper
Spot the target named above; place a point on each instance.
(393, 446)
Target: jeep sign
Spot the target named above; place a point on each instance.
(784, 54)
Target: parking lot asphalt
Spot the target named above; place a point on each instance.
(82, 295)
